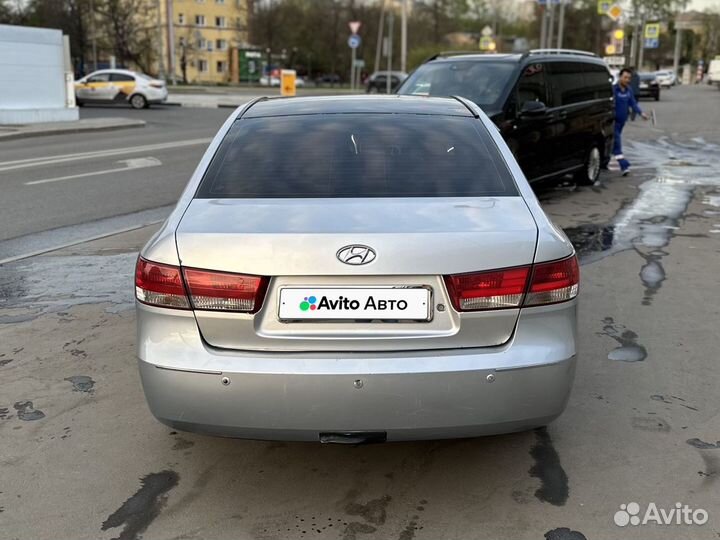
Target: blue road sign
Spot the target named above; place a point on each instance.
(651, 43)
(354, 41)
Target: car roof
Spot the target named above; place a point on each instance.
(123, 71)
(392, 104)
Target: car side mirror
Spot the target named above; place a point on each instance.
(533, 108)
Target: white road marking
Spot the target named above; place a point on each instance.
(37, 162)
(130, 164)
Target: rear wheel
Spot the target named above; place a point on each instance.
(590, 171)
(138, 101)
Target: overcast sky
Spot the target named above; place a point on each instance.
(700, 5)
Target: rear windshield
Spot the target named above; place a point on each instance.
(482, 82)
(357, 155)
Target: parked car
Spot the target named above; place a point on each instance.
(377, 82)
(406, 285)
(649, 86)
(666, 78)
(554, 107)
(328, 78)
(273, 82)
(713, 73)
(120, 86)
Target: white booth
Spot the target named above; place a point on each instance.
(36, 79)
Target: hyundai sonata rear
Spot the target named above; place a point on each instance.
(356, 269)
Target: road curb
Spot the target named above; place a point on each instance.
(63, 130)
(204, 105)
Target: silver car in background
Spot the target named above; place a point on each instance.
(357, 269)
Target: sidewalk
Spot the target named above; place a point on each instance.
(233, 97)
(59, 128)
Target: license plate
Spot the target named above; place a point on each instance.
(354, 303)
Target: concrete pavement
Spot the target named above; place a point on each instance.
(82, 458)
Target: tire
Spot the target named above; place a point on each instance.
(657, 96)
(590, 171)
(138, 101)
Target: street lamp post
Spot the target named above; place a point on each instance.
(391, 21)
(403, 37)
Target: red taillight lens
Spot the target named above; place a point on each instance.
(551, 282)
(488, 290)
(554, 282)
(225, 292)
(160, 285)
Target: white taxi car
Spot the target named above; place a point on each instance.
(118, 86)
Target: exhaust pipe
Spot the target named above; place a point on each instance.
(353, 437)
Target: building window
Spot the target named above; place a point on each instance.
(221, 66)
(220, 22)
(221, 45)
(199, 1)
(219, 1)
(181, 18)
(202, 66)
(202, 43)
(182, 41)
(200, 20)
(210, 45)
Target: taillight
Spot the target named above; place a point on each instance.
(553, 282)
(540, 284)
(224, 291)
(488, 290)
(160, 285)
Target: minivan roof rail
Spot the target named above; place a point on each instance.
(560, 51)
(442, 54)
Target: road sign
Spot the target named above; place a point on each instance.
(603, 7)
(487, 31)
(354, 26)
(359, 63)
(614, 12)
(287, 82)
(619, 34)
(610, 49)
(652, 30)
(354, 41)
(487, 43)
(651, 43)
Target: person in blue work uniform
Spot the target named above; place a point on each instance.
(624, 102)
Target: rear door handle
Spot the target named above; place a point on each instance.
(562, 115)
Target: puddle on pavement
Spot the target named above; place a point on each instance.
(629, 350)
(50, 284)
(648, 223)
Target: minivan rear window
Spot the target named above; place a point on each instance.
(357, 155)
(481, 82)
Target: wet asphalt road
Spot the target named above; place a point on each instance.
(80, 456)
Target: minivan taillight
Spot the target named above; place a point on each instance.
(222, 291)
(160, 285)
(539, 284)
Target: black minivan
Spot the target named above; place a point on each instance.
(554, 107)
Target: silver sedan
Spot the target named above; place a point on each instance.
(357, 269)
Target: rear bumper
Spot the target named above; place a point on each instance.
(407, 395)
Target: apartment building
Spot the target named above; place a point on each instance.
(204, 34)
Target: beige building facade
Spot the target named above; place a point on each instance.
(199, 39)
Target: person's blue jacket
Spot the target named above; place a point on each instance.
(624, 101)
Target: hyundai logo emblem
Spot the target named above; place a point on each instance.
(356, 254)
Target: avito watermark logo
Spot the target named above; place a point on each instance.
(680, 514)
